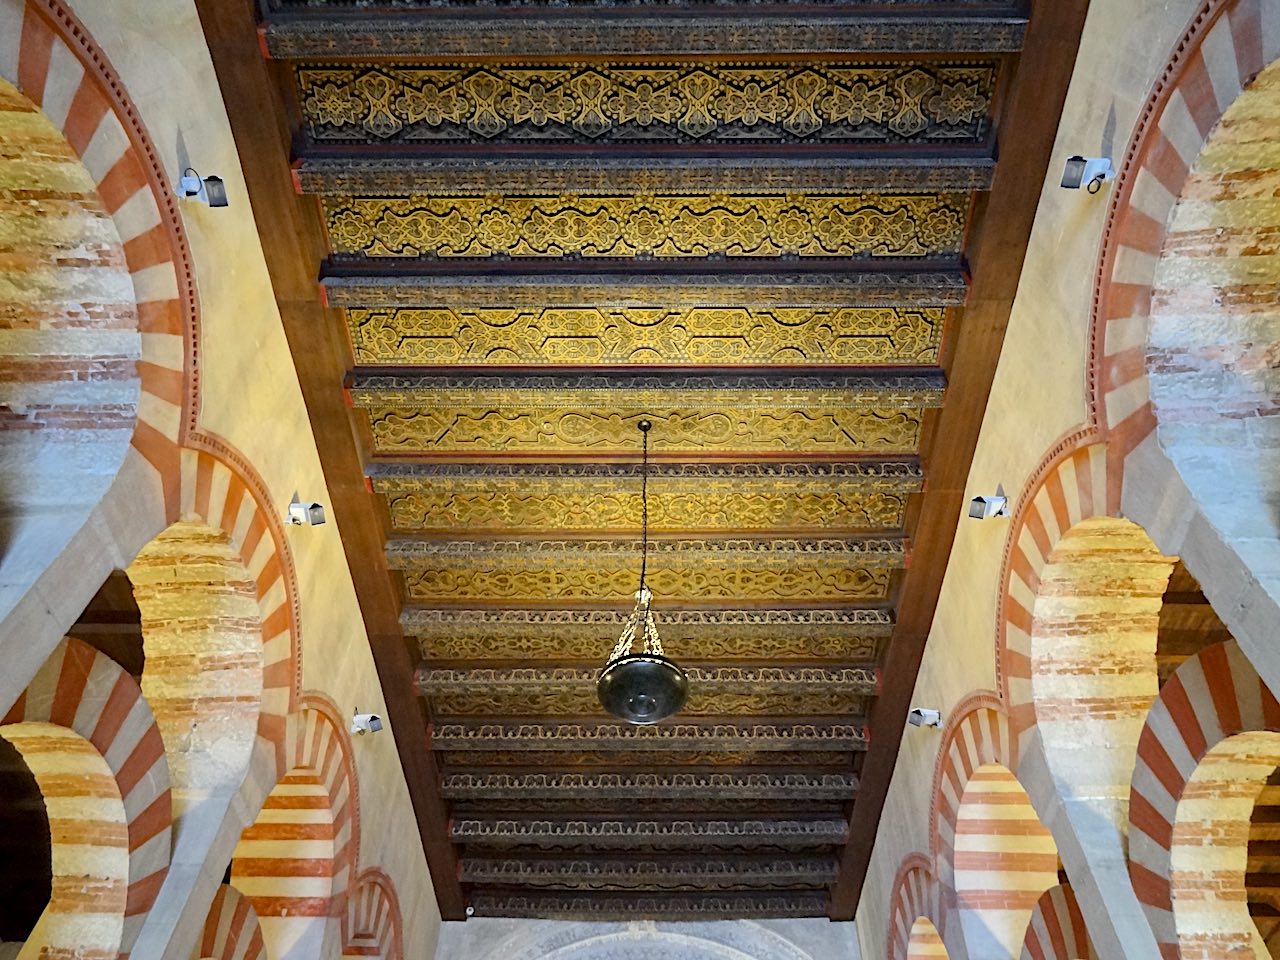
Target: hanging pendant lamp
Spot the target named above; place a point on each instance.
(642, 687)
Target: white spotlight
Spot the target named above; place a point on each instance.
(1088, 172)
(210, 190)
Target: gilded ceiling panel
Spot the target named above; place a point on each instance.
(863, 226)
(657, 335)
(785, 572)
(839, 417)
(850, 636)
(433, 504)
(704, 102)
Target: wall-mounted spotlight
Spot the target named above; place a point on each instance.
(1088, 172)
(363, 723)
(309, 514)
(924, 717)
(210, 190)
(990, 505)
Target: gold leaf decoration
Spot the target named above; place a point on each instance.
(867, 226)
(665, 335)
(915, 101)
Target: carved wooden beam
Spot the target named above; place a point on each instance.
(517, 634)
(643, 786)
(548, 905)
(707, 736)
(474, 30)
(639, 285)
(687, 873)
(655, 834)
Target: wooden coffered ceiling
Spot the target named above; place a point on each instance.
(777, 230)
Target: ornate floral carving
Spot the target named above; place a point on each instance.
(485, 502)
(666, 335)
(595, 571)
(865, 226)
(522, 635)
(838, 417)
(666, 102)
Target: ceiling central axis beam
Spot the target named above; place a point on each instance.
(294, 250)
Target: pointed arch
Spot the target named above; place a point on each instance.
(375, 927)
(915, 896)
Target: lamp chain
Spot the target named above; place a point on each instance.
(641, 619)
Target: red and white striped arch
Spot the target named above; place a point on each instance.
(221, 489)
(231, 930)
(915, 896)
(296, 862)
(1057, 930)
(49, 55)
(977, 733)
(89, 849)
(1073, 482)
(86, 691)
(1211, 698)
(375, 927)
(1228, 42)
(993, 855)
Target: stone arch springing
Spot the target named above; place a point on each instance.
(375, 927)
(1057, 929)
(1211, 741)
(86, 692)
(915, 896)
(231, 930)
(296, 862)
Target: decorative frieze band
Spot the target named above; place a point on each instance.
(708, 101)
(717, 906)
(450, 176)
(649, 833)
(849, 735)
(649, 290)
(299, 38)
(860, 680)
(695, 873)
(640, 786)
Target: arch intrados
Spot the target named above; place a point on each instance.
(924, 942)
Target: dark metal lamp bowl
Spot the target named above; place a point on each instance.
(642, 688)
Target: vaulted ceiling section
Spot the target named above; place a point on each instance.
(500, 236)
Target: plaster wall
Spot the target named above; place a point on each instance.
(252, 399)
(1039, 394)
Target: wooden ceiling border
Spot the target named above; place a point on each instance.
(294, 250)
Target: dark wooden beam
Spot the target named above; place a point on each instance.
(996, 255)
(294, 251)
